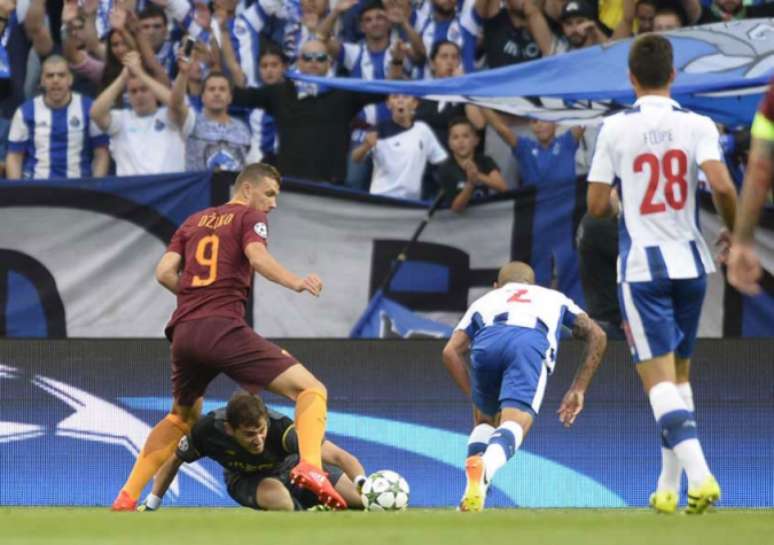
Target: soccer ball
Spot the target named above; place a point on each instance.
(385, 490)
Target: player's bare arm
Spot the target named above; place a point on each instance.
(755, 189)
(165, 476)
(723, 190)
(744, 267)
(596, 342)
(264, 264)
(337, 456)
(168, 271)
(598, 200)
(724, 198)
(454, 354)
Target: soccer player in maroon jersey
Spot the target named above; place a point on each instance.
(744, 265)
(209, 265)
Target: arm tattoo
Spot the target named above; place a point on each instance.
(595, 342)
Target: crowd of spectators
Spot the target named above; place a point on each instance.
(94, 87)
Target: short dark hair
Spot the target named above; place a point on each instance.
(462, 120)
(651, 61)
(651, 3)
(152, 11)
(270, 48)
(245, 409)
(256, 172)
(370, 5)
(215, 74)
(439, 44)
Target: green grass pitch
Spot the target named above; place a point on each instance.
(92, 526)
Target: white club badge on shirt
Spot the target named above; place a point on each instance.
(261, 229)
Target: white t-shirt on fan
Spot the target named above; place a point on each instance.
(150, 144)
(400, 158)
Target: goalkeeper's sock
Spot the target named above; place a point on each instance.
(152, 502)
(159, 446)
(502, 446)
(311, 416)
(479, 439)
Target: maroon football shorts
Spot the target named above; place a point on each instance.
(204, 348)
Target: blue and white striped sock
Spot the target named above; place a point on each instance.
(502, 446)
(479, 439)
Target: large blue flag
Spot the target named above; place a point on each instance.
(722, 70)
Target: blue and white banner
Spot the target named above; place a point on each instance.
(385, 319)
(722, 70)
(77, 258)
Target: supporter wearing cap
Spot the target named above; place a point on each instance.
(579, 25)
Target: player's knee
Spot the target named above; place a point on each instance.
(315, 387)
(180, 423)
(272, 495)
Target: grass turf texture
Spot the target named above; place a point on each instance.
(98, 526)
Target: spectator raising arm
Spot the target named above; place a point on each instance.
(538, 27)
(91, 39)
(487, 9)
(72, 24)
(324, 30)
(100, 108)
(233, 67)
(398, 14)
(149, 59)
(37, 30)
(133, 63)
(625, 28)
(497, 123)
(178, 109)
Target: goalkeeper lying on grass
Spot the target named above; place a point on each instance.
(257, 448)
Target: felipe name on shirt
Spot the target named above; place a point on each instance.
(655, 136)
(213, 221)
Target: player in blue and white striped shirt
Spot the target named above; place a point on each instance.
(52, 135)
(512, 334)
(652, 153)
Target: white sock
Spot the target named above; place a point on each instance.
(671, 471)
(691, 457)
(497, 453)
(665, 398)
(152, 501)
(479, 438)
(686, 393)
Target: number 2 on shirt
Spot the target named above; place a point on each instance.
(207, 256)
(518, 297)
(675, 166)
